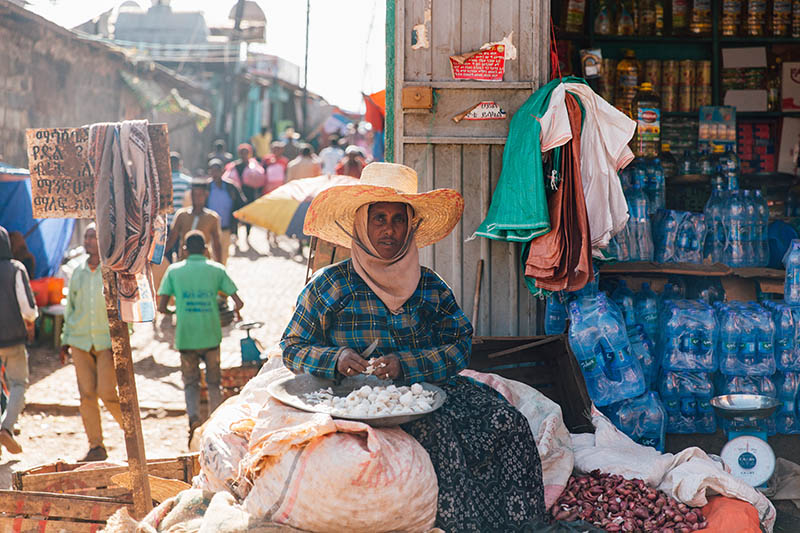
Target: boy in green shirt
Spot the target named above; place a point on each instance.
(195, 282)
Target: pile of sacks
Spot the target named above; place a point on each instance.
(316, 473)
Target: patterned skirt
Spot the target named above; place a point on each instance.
(486, 461)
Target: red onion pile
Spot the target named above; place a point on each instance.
(617, 504)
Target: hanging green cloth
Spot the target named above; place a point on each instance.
(518, 211)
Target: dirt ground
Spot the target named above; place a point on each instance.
(269, 281)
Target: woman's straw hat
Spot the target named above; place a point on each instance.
(437, 212)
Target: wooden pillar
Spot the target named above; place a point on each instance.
(128, 399)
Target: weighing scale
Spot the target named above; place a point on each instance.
(250, 347)
(747, 453)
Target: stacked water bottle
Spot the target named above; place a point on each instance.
(635, 241)
(746, 352)
(679, 236)
(686, 350)
(736, 220)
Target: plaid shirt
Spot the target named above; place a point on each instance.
(431, 336)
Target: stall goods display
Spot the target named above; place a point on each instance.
(618, 504)
(746, 339)
(374, 401)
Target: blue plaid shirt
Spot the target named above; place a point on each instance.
(431, 336)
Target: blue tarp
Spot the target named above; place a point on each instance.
(47, 239)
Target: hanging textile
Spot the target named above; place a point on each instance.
(130, 232)
(562, 258)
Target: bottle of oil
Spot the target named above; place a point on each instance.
(603, 23)
(575, 14)
(625, 20)
(781, 18)
(700, 22)
(627, 82)
(680, 17)
(646, 111)
(756, 19)
(659, 7)
(731, 17)
(646, 18)
(796, 18)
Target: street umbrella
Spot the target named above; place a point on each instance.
(283, 211)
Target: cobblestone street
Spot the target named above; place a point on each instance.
(268, 281)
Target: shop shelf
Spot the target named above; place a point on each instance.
(651, 39)
(758, 40)
(766, 114)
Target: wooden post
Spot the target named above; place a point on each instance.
(128, 399)
(62, 183)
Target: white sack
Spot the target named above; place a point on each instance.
(689, 476)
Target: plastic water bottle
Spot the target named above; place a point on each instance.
(749, 229)
(765, 343)
(641, 240)
(624, 298)
(623, 367)
(715, 227)
(736, 223)
(762, 237)
(655, 185)
(582, 340)
(786, 355)
(688, 164)
(643, 419)
(643, 348)
(706, 163)
(668, 162)
(791, 286)
(787, 386)
(689, 335)
(555, 320)
(746, 340)
(687, 402)
(646, 305)
(667, 236)
(761, 385)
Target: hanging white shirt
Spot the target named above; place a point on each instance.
(605, 135)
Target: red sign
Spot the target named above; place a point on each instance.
(486, 64)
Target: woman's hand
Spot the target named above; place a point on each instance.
(350, 363)
(387, 367)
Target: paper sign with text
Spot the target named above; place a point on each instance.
(486, 64)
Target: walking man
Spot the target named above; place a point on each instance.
(196, 217)
(85, 333)
(224, 197)
(195, 282)
(17, 315)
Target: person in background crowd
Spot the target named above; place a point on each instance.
(331, 155)
(305, 165)
(181, 183)
(18, 313)
(19, 249)
(275, 164)
(220, 153)
(195, 282)
(261, 142)
(290, 137)
(224, 197)
(85, 334)
(353, 162)
(197, 217)
(247, 173)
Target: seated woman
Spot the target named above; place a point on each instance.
(482, 449)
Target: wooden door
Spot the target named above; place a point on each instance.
(467, 155)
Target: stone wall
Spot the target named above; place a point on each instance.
(50, 77)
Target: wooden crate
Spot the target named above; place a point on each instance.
(45, 512)
(545, 363)
(63, 477)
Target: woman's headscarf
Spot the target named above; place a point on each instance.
(393, 280)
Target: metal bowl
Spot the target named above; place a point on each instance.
(291, 391)
(745, 405)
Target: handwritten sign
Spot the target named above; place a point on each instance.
(486, 111)
(488, 64)
(62, 179)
